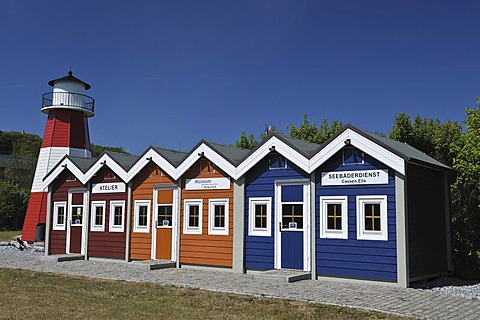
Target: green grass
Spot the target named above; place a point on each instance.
(35, 295)
(7, 235)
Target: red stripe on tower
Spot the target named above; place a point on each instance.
(66, 133)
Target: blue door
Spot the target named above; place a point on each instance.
(290, 217)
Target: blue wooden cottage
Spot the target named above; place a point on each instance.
(360, 206)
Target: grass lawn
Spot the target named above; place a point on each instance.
(6, 235)
(34, 295)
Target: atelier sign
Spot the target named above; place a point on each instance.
(112, 187)
(343, 178)
(210, 183)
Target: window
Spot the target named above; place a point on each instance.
(193, 216)
(259, 216)
(276, 161)
(352, 156)
(334, 217)
(59, 210)
(372, 221)
(117, 216)
(77, 215)
(98, 216)
(141, 216)
(292, 216)
(164, 215)
(218, 216)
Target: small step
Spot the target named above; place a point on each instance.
(151, 264)
(68, 257)
(283, 275)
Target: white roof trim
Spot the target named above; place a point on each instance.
(157, 159)
(63, 164)
(366, 145)
(107, 161)
(281, 147)
(211, 155)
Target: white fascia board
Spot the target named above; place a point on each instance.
(109, 162)
(211, 155)
(65, 164)
(366, 145)
(281, 147)
(157, 159)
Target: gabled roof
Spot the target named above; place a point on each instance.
(82, 163)
(306, 148)
(175, 157)
(126, 161)
(233, 154)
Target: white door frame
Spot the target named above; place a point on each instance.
(174, 220)
(306, 222)
(85, 216)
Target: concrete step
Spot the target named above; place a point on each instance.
(151, 264)
(282, 275)
(68, 257)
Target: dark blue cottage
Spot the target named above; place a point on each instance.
(359, 207)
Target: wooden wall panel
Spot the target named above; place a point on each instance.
(143, 184)
(205, 249)
(107, 244)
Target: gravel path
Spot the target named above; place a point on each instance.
(434, 303)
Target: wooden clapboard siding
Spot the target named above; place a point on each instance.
(352, 258)
(61, 186)
(260, 182)
(205, 249)
(66, 128)
(106, 244)
(143, 184)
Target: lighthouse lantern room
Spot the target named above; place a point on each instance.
(66, 133)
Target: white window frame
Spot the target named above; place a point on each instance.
(261, 232)
(211, 217)
(111, 226)
(136, 227)
(93, 226)
(56, 205)
(186, 211)
(326, 233)
(363, 234)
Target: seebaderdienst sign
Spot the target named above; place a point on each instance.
(210, 183)
(111, 187)
(343, 178)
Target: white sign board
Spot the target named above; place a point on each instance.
(210, 183)
(112, 187)
(344, 178)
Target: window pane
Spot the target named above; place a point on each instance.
(118, 211)
(292, 213)
(372, 217)
(60, 215)
(334, 216)
(193, 211)
(260, 216)
(219, 221)
(142, 215)
(164, 216)
(98, 216)
(77, 214)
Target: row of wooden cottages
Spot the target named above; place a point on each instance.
(358, 207)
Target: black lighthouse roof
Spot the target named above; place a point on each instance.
(71, 78)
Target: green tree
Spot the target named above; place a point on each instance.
(13, 205)
(246, 142)
(311, 133)
(466, 198)
(98, 150)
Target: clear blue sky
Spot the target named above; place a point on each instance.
(169, 73)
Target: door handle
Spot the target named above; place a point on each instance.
(280, 226)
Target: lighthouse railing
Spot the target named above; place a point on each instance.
(68, 99)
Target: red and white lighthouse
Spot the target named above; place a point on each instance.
(66, 133)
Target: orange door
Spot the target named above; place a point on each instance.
(164, 224)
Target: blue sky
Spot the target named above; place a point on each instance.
(169, 73)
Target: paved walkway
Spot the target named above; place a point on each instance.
(411, 302)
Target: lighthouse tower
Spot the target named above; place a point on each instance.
(66, 133)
